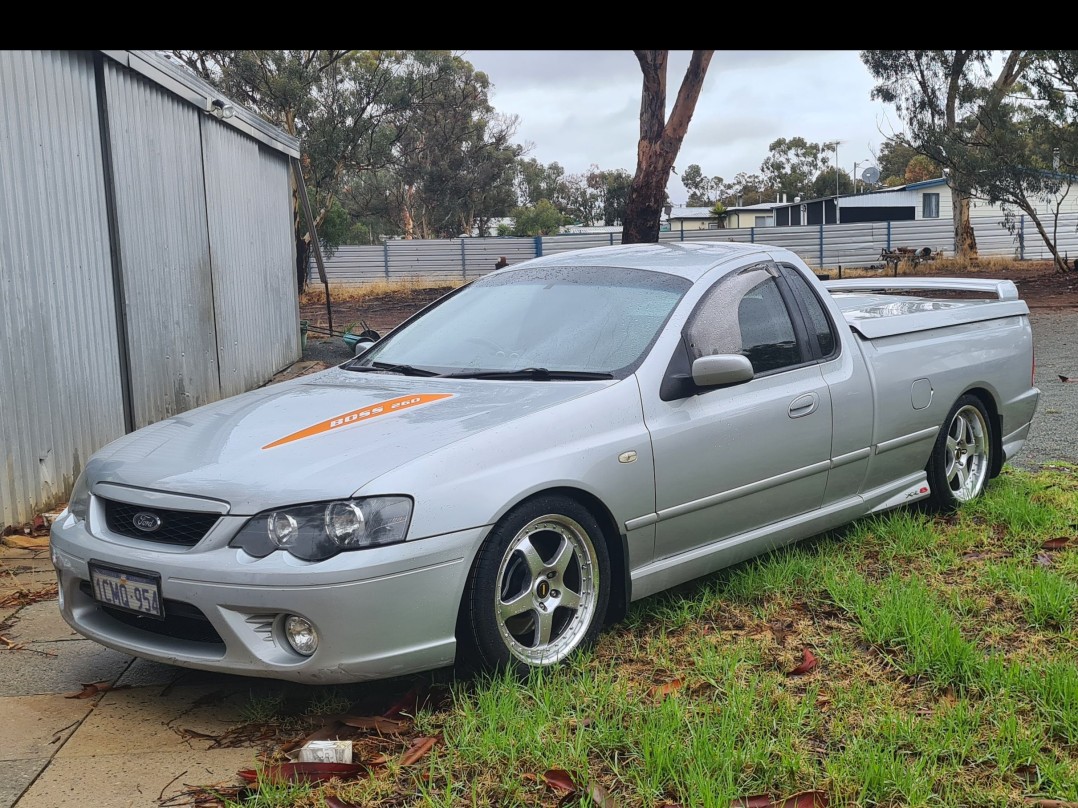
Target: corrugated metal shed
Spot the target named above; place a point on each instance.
(114, 238)
(164, 246)
(60, 387)
(254, 286)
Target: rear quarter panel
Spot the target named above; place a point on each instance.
(993, 357)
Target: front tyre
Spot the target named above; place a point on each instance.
(539, 588)
(961, 461)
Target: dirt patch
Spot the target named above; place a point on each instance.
(382, 311)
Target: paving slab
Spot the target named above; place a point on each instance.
(140, 720)
(58, 667)
(35, 727)
(25, 570)
(40, 622)
(15, 776)
(134, 780)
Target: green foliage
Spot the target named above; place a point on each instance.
(611, 189)
(339, 228)
(921, 168)
(747, 189)
(1021, 149)
(541, 219)
(794, 164)
(894, 156)
(826, 184)
(703, 191)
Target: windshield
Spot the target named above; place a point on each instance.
(589, 320)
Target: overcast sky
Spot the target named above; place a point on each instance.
(580, 108)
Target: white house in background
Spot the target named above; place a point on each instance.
(683, 218)
(916, 201)
(761, 215)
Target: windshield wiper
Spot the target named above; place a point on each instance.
(534, 374)
(387, 367)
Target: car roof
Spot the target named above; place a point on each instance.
(689, 259)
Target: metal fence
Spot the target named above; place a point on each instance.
(147, 261)
(828, 246)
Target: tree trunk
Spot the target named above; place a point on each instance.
(1059, 261)
(303, 256)
(647, 194)
(660, 141)
(965, 241)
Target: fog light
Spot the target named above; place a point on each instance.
(300, 634)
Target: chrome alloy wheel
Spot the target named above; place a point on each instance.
(966, 464)
(548, 582)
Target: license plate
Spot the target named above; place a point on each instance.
(131, 590)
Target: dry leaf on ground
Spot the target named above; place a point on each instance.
(808, 662)
(419, 749)
(559, 780)
(665, 689)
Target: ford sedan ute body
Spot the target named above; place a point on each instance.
(499, 477)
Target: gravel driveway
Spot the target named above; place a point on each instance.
(1054, 435)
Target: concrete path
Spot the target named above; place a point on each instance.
(139, 743)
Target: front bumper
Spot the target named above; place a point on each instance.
(378, 612)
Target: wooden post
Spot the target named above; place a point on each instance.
(305, 203)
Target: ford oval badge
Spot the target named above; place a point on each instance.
(146, 522)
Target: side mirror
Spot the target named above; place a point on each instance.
(363, 345)
(720, 369)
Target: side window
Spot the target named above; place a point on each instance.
(818, 322)
(745, 314)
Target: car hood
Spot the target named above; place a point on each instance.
(321, 437)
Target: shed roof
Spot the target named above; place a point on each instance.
(202, 95)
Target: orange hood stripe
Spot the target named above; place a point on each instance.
(361, 415)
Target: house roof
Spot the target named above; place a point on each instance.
(758, 206)
(690, 213)
(913, 186)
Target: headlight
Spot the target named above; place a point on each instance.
(320, 531)
(78, 504)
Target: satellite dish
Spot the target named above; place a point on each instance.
(870, 175)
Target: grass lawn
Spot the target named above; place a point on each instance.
(940, 660)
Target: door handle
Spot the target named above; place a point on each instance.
(804, 405)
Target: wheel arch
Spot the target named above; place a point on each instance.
(616, 544)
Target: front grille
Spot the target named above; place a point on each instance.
(182, 620)
(169, 527)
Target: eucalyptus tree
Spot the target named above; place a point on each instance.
(660, 139)
(943, 95)
(793, 165)
(1022, 152)
(457, 163)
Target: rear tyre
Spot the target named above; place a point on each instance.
(961, 462)
(538, 590)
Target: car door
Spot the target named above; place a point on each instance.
(734, 458)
